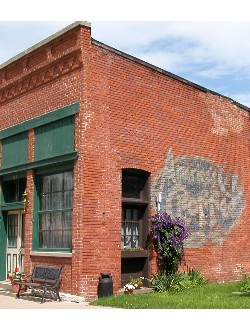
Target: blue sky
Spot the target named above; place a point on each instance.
(214, 54)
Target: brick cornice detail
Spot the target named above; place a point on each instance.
(41, 76)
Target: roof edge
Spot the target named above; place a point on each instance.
(45, 41)
(164, 72)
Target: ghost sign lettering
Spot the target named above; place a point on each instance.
(209, 199)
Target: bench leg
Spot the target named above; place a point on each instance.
(58, 296)
(44, 293)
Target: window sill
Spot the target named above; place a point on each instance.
(133, 201)
(12, 206)
(51, 254)
(134, 254)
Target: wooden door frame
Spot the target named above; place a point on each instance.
(19, 248)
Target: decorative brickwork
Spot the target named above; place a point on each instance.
(46, 74)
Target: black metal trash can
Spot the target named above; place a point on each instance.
(105, 286)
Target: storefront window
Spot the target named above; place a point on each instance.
(55, 213)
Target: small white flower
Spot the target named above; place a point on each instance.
(129, 287)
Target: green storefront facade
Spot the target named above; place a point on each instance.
(53, 154)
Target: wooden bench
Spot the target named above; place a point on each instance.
(44, 278)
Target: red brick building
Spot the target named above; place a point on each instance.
(99, 140)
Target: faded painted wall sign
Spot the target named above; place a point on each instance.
(209, 199)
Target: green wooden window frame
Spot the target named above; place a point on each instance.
(53, 211)
(3, 242)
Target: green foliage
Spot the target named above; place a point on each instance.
(210, 296)
(177, 281)
(196, 277)
(164, 282)
(16, 275)
(135, 282)
(245, 283)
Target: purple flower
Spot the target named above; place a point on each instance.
(168, 234)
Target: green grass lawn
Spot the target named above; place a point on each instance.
(209, 296)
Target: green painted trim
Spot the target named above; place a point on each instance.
(35, 215)
(54, 160)
(15, 150)
(3, 242)
(12, 206)
(55, 138)
(57, 254)
(56, 168)
(53, 250)
(41, 163)
(14, 176)
(55, 210)
(64, 112)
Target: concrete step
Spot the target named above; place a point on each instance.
(142, 290)
(5, 285)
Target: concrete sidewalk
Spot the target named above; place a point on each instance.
(8, 301)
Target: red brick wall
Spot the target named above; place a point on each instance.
(130, 116)
(147, 113)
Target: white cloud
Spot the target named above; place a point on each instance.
(215, 72)
(212, 54)
(221, 47)
(164, 60)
